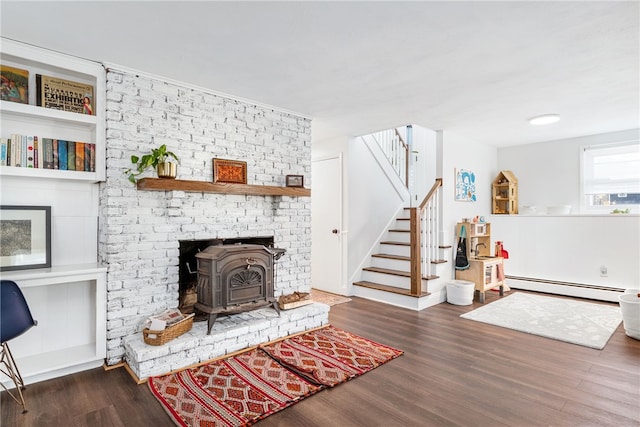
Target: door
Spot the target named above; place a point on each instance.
(327, 236)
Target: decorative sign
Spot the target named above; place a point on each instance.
(465, 185)
(229, 171)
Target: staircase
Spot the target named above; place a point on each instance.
(409, 257)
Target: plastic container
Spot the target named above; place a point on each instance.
(460, 292)
(630, 308)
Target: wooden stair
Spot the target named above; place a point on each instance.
(410, 255)
(390, 269)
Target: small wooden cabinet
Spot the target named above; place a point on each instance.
(478, 238)
(485, 274)
(485, 271)
(504, 193)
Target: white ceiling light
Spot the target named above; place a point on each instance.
(544, 120)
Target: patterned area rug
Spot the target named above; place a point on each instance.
(577, 322)
(330, 356)
(243, 389)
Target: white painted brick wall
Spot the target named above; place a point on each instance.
(139, 230)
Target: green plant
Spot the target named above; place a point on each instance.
(157, 155)
(621, 211)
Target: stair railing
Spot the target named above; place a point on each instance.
(425, 236)
(396, 150)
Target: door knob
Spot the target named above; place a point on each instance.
(334, 231)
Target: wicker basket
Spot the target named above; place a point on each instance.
(173, 331)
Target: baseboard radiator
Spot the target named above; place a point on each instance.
(580, 290)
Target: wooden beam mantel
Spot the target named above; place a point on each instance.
(161, 184)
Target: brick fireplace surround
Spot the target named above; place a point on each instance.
(140, 230)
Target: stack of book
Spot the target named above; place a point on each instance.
(29, 151)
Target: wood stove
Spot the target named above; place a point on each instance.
(235, 278)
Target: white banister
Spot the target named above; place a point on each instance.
(396, 151)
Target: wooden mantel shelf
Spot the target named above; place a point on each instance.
(158, 184)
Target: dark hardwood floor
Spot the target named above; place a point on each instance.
(454, 372)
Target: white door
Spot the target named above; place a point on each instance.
(326, 226)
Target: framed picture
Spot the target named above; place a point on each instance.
(229, 171)
(465, 185)
(25, 237)
(295, 181)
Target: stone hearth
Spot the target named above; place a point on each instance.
(229, 334)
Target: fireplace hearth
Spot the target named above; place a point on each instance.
(235, 278)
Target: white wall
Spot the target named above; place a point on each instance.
(424, 142)
(462, 153)
(74, 214)
(549, 172)
(566, 248)
(373, 201)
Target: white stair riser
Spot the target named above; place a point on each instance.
(386, 279)
(396, 236)
(403, 225)
(395, 250)
(392, 264)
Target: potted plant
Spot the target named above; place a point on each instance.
(159, 158)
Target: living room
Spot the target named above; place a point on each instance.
(279, 137)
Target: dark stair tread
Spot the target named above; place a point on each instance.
(399, 230)
(395, 272)
(389, 256)
(391, 289)
(390, 242)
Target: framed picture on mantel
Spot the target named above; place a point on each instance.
(294, 181)
(25, 237)
(229, 171)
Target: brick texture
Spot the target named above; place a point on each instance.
(140, 230)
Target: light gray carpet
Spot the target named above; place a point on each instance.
(574, 321)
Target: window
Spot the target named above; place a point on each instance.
(611, 176)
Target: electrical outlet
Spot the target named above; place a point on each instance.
(603, 271)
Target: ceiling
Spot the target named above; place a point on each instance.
(479, 69)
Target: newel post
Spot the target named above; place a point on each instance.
(416, 264)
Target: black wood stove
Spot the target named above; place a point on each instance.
(234, 279)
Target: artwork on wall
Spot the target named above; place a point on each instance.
(25, 237)
(465, 185)
(229, 171)
(294, 181)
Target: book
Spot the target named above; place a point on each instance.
(62, 155)
(11, 151)
(3, 152)
(92, 162)
(66, 95)
(14, 85)
(79, 156)
(39, 153)
(23, 151)
(71, 155)
(55, 154)
(30, 152)
(47, 162)
(16, 150)
(87, 157)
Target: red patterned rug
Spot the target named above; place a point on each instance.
(330, 356)
(243, 389)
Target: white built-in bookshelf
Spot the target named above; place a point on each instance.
(68, 299)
